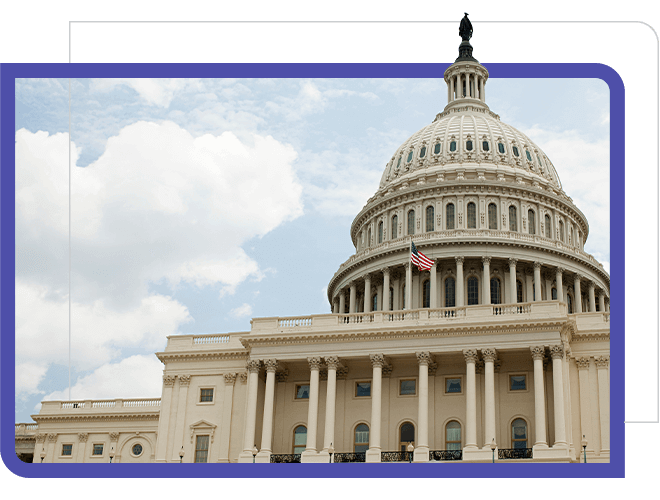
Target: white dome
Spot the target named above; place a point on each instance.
(462, 125)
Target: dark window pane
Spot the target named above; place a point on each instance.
(450, 292)
(453, 385)
(518, 382)
(468, 145)
(98, 449)
(411, 222)
(410, 155)
(452, 146)
(302, 391)
(519, 291)
(407, 387)
(430, 214)
(395, 224)
(554, 294)
(495, 291)
(437, 148)
(485, 146)
(407, 432)
(473, 291)
(529, 157)
(422, 152)
(500, 147)
(515, 151)
(426, 299)
(380, 232)
(363, 389)
(206, 395)
(66, 449)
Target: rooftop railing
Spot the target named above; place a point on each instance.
(26, 429)
(101, 404)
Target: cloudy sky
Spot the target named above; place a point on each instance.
(198, 204)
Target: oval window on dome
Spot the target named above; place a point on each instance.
(515, 151)
(398, 164)
(452, 146)
(410, 155)
(437, 148)
(422, 152)
(529, 157)
(485, 146)
(468, 145)
(500, 147)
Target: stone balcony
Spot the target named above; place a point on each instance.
(105, 406)
(25, 429)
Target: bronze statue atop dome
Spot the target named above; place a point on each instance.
(465, 29)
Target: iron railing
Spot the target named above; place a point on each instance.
(285, 459)
(446, 455)
(359, 456)
(514, 453)
(395, 456)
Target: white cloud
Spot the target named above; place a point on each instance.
(133, 377)
(241, 311)
(155, 91)
(29, 376)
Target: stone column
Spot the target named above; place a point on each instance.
(451, 82)
(82, 443)
(335, 305)
(557, 353)
(592, 297)
(386, 289)
(408, 297)
(227, 410)
(253, 367)
(537, 282)
(313, 411)
(585, 404)
(470, 399)
(602, 363)
(449, 86)
(560, 284)
(51, 453)
(330, 399)
(539, 396)
(513, 289)
(184, 384)
(489, 355)
(269, 404)
(164, 420)
(397, 298)
(352, 302)
(373, 453)
(367, 293)
(601, 302)
(342, 302)
(577, 291)
(486, 280)
(39, 446)
(434, 286)
(422, 448)
(467, 85)
(460, 301)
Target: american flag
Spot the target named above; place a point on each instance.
(419, 259)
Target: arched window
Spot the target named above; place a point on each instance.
(437, 148)
(374, 302)
(471, 215)
(450, 216)
(485, 146)
(398, 164)
(411, 222)
(500, 147)
(406, 435)
(519, 291)
(422, 152)
(452, 146)
(380, 232)
(361, 441)
(468, 145)
(513, 218)
(554, 293)
(531, 221)
(561, 231)
(495, 291)
(369, 237)
(410, 155)
(518, 434)
(395, 225)
(426, 294)
(299, 439)
(569, 301)
(473, 291)
(515, 152)
(492, 216)
(453, 436)
(529, 157)
(548, 227)
(450, 292)
(430, 214)
(391, 299)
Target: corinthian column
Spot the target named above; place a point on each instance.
(489, 355)
(486, 280)
(592, 297)
(367, 293)
(470, 399)
(331, 395)
(557, 353)
(459, 282)
(539, 396)
(537, 282)
(386, 289)
(602, 363)
(342, 302)
(513, 289)
(408, 296)
(352, 302)
(373, 453)
(269, 403)
(434, 286)
(313, 411)
(422, 449)
(560, 284)
(577, 291)
(253, 367)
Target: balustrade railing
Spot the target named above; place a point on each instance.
(438, 455)
(395, 456)
(285, 459)
(359, 456)
(401, 315)
(104, 404)
(141, 402)
(210, 339)
(454, 312)
(356, 318)
(72, 405)
(501, 310)
(514, 453)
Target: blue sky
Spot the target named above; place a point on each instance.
(198, 204)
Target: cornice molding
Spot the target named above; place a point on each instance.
(102, 417)
(210, 355)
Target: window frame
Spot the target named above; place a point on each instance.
(404, 444)
(295, 391)
(206, 388)
(426, 295)
(355, 387)
(527, 432)
(395, 226)
(293, 439)
(467, 290)
(380, 232)
(208, 448)
(430, 218)
(422, 152)
(99, 455)
(495, 218)
(62, 455)
(452, 377)
(446, 291)
(133, 446)
(520, 292)
(472, 205)
(499, 298)
(411, 211)
(450, 217)
(408, 379)
(517, 374)
(548, 227)
(460, 442)
(355, 441)
(513, 221)
(438, 146)
(531, 221)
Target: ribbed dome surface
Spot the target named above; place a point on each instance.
(462, 126)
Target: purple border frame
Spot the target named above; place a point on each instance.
(8, 74)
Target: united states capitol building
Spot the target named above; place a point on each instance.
(500, 351)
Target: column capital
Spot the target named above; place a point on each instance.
(406, 265)
(602, 361)
(40, 438)
(271, 365)
(342, 373)
(497, 366)
(385, 271)
(52, 437)
(366, 276)
(513, 262)
(184, 380)
(82, 437)
(486, 261)
(282, 375)
(253, 365)
(377, 360)
(386, 371)
(243, 376)
(592, 285)
(538, 352)
(114, 436)
(314, 362)
(433, 367)
(352, 284)
(168, 380)
(332, 362)
(230, 378)
(470, 355)
(424, 358)
(577, 277)
(459, 260)
(537, 265)
(582, 363)
(489, 354)
(556, 351)
(560, 270)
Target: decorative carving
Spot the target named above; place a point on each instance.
(243, 376)
(602, 361)
(470, 355)
(387, 371)
(82, 437)
(114, 436)
(271, 365)
(184, 380)
(385, 271)
(537, 265)
(314, 362)
(556, 351)
(489, 354)
(253, 365)
(342, 373)
(377, 360)
(52, 437)
(537, 352)
(40, 438)
(459, 260)
(497, 366)
(230, 378)
(323, 374)
(332, 362)
(582, 363)
(168, 380)
(282, 375)
(424, 358)
(433, 368)
(479, 367)
(513, 262)
(486, 260)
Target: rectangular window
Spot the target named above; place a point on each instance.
(202, 450)
(362, 389)
(206, 395)
(408, 388)
(302, 391)
(453, 385)
(98, 449)
(66, 450)
(517, 382)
